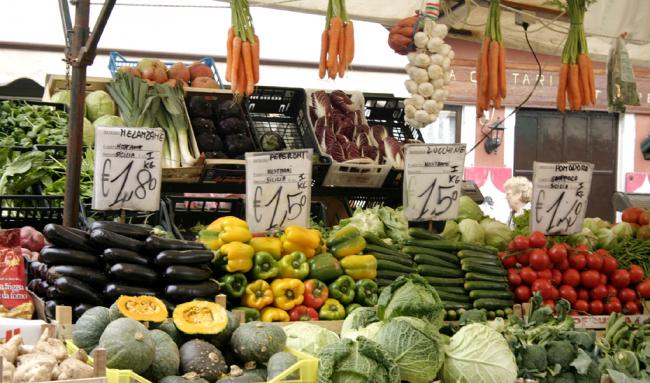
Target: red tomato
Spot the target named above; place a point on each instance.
(594, 261)
(557, 253)
(583, 294)
(631, 214)
(545, 274)
(610, 264)
(603, 278)
(590, 278)
(636, 274)
(578, 261)
(613, 306)
(631, 308)
(627, 295)
(523, 257)
(644, 218)
(537, 239)
(555, 293)
(611, 291)
(509, 261)
(544, 287)
(620, 279)
(539, 260)
(564, 265)
(599, 292)
(643, 289)
(511, 247)
(522, 293)
(514, 279)
(521, 242)
(571, 277)
(602, 252)
(581, 305)
(556, 279)
(549, 302)
(528, 275)
(569, 293)
(596, 307)
(582, 248)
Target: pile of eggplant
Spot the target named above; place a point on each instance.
(86, 269)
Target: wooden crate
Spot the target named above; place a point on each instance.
(57, 82)
(599, 322)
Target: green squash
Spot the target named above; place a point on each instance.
(128, 344)
(166, 360)
(202, 358)
(115, 312)
(257, 341)
(89, 328)
(187, 378)
(279, 363)
(246, 378)
(169, 327)
(223, 338)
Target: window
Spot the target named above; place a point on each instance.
(446, 129)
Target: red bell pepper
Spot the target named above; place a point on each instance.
(316, 293)
(303, 312)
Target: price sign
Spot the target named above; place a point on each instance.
(560, 194)
(127, 168)
(278, 189)
(433, 176)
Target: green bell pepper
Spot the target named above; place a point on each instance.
(264, 266)
(251, 314)
(233, 285)
(294, 265)
(350, 308)
(366, 292)
(325, 267)
(332, 310)
(342, 289)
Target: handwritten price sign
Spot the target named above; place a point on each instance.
(278, 189)
(127, 168)
(433, 176)
(560, 194)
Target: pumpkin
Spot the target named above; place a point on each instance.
(142, 308)
(89, 328)
(257, 341)
(115, 312)
(202, 358)
(200, 317)
(223, 338)
(279, 363)
(245, 378)
(128, 345)
(191, 377)
(166, 360)
(169, 327)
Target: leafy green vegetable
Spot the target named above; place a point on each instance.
(561, 352)
(410, 295)
(469, 209)
(360, 361)
(397, 227)
(582, 362)
(623, 230)
(451, 231)
(471, 232)
(367, 221)
(497, 234)
(98, 104)
(359, 318)
(520, 223)
(109, 121)
(22, 124)
(594, 224)
(584, 237)
(606, 238)
(308, 338)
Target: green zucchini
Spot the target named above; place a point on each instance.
(492, 304)
(413, 250)
(383, 250)
(450, 305)
(480, 276)
(450, 246)
(401, 260)
(435, 281)
(452, 290)
(445, 296)
(384, 282)
(476, 254)
(374, 239)
(394, 266)
(434, 271)
(484, 285)
(503, 294)
(420, 233)
(472, 267)
(425, 259)
(482, 261)
(389, 274)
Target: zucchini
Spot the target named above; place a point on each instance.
(157, 244)
(114, 255)
(425, 259)
(374, 239)
(413, 250)
(105, 239)
(383, 282)
(133, 274)
(476, 254)
(62, 236)
(435, 281)
(472, 276)
(452, 290)
(188, 292)
(93, 277)
(112, 291)
(182, 273)
(394, 266)
(383, 250)
(445, 296)
(449, 246)
(52, 255)
(482, 261)
(140, 232)
(389, 274)
(451, 305)
(472, 267)
(75, 289)
(420, 233)
(485, 285)
(400, 260)
(434, 271)
(492, 304)
(503, 294)
(183, 257)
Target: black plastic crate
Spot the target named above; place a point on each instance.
(318, 212)
(87, 215)
(282, 110)
(366, 202)
(187, 212)
(30, 210)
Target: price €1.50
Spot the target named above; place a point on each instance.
(279, 208)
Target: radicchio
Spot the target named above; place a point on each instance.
(356, 117)
(327, 138)
(346, 130)
(394, 152)
(352, 151)
(335, 150)
(362, 128)
(378, 133)
(362, 140)
(342, 102)
(341, 139)
(319, 128)
(371, 152)
(321, 103)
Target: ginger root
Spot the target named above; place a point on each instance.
(9, 350)
(35, 367)
(51, 346)
(75, 369)
(8, 371)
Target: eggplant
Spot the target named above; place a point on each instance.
(229, 108)
(33, 269)
(42, 271)
(77, 290)
(93, 277)
(157, 244)
(209, 142)
(188, 292)
(184, 257)
(52, 255)
(271, 142)
(140, 232)
(52, 293)
(114, 255)
(41, 288)
(33, 286)
(169, 305)
(230, 126)
(80, 309)
(199, 106)
(202, 125)
(182, 273)
(50, 307)
(238, 144)
(134, 274)
(62, 236)
(112, 291)
(104, 238)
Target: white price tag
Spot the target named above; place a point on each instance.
(433, 176)
(560, 194)
(278, 189)
(127, 168)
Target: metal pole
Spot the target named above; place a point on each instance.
(76, 114)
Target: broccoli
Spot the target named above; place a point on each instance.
(592, 375)
(582, 339)
(565, 377)
(534, 358)
(561, 352)
(472, 316)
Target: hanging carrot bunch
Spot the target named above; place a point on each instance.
(576, 71)
(337, 41)
(243, 60)
(491, 64)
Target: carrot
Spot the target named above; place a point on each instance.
(341, 59)
(332, 53)
(574, 86)
(324, 45)
(241, 77)
(247, 53)
(562, 87)
(231, 36)
(349, 43)
(592, 82)
(256, 59)
(497, 102)
(236, 60)
(502, 70)
(483, 80)
(583, 66)
(493, 70)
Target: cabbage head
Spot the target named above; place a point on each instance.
(63, 97)
(417, 347)
(467, 208)
(497, 234)
(623, 231)
(370, 331)
(113, 121)
(88, 133)
(585, 237)
(594, 224)
(478, 353)
(99, 103)
(358, 319)
(451, 232)
(410, 295)
(367, 221)
(308, 338)
(360, 361)
(606, 238)
(471, 232)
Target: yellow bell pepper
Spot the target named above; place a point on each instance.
(271, 245)
(258, 295)
(307, 238)
(220, 223)
(232, 233)
(360, 266)
(272, 314)
(210, 239)
(288, 292)
(238, 256)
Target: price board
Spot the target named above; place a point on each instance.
(127, 168)
(278, 189)
(560, 194)
(433, 176)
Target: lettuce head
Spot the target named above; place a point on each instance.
(467, 208)
(308, 338)
(471, 232)
(451, 232)
(497, 234)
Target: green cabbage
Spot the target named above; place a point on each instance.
(497, 234)
(417, 347)
(585, 237)
(606, 238)
(451, 232)
(113, 121)
(467, 208)
(308, 338)
(471, 232)
(370, 331)
(477, 353)
(88, 133)
(63, 97)
(594, 224)
(99, 103)
(623, 231)
(360, 361)
(397, 227)
(358, 319)
(367, 221)
(410, 295)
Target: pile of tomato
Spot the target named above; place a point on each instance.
(590, 280)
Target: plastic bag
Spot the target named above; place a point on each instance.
(15, 301)
(621, 86)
